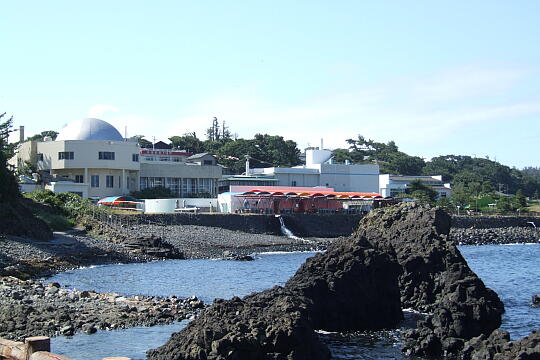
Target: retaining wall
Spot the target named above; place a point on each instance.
(305, 225)
(493, 222)
(309, 225)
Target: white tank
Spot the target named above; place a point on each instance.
(159, 206)
(315, 157)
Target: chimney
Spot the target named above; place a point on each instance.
(322, 144)
(21, 133)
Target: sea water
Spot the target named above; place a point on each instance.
(511, 270)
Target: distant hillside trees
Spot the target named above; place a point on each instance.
(469, 176)
(9, 189)
(264, 150)
(388, 156)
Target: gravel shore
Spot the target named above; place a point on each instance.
(31, 308)
(197, 242)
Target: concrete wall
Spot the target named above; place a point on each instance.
(493, 222)
(86, 154)
(355, 178)
(180, 170)
(297, 179)
(301, 225)
(62, 187)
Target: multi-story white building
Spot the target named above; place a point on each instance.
(320, 171)
(93, 154)
(393, 185)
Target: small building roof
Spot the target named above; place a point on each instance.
(199, 156)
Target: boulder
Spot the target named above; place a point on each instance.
(497, 346)
(350, 287)
(435, 278)
(400, 256)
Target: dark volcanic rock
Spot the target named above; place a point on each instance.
(435, 278)
(30, 308)
(350, 287)
(17, 219)
(400, 256)
(497, 346)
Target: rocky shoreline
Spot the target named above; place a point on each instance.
(32, 308)
(399, 257)
(29, 308)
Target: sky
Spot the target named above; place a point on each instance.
(455, 77)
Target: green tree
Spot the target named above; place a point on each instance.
(505, 204)
(520, 199)
(388, 156)
(158, 192)
(421, 191)
(446, 204)
(188, 142)
(264, 151)
(41, 136)
(9, 189)
(143, 143)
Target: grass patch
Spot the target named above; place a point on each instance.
(56, 222)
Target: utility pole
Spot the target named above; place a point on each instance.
(247, 164)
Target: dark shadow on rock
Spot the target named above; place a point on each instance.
(17, 219)
(435, 278)
(400, 256)
(350, 287)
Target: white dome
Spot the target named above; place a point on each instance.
(89, 129)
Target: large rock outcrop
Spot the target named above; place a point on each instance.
(435, 278)
(350, 287)
(400, 256)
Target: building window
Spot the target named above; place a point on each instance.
(65, 155)
(39, 157)
(120, 182)
(135, 157)
(293, 183)
(208, 162)
(106, 155)
(94, 181)
(109, 181)
(79, 179)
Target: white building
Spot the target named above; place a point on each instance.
(392, 185)
(94, 155)
(320, 171)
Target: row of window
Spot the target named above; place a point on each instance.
(109, 181)
(181, 186)
(102, 155)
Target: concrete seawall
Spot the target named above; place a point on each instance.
(304, 225)
(492, 222)
(465, 229)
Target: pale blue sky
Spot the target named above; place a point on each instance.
(459, 77)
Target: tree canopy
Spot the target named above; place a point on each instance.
(41, 136)
(470, 176)
(264, 150)
(388, 156)
(9, 189)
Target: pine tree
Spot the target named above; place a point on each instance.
(9, 190)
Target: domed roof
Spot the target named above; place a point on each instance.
(89, 129)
